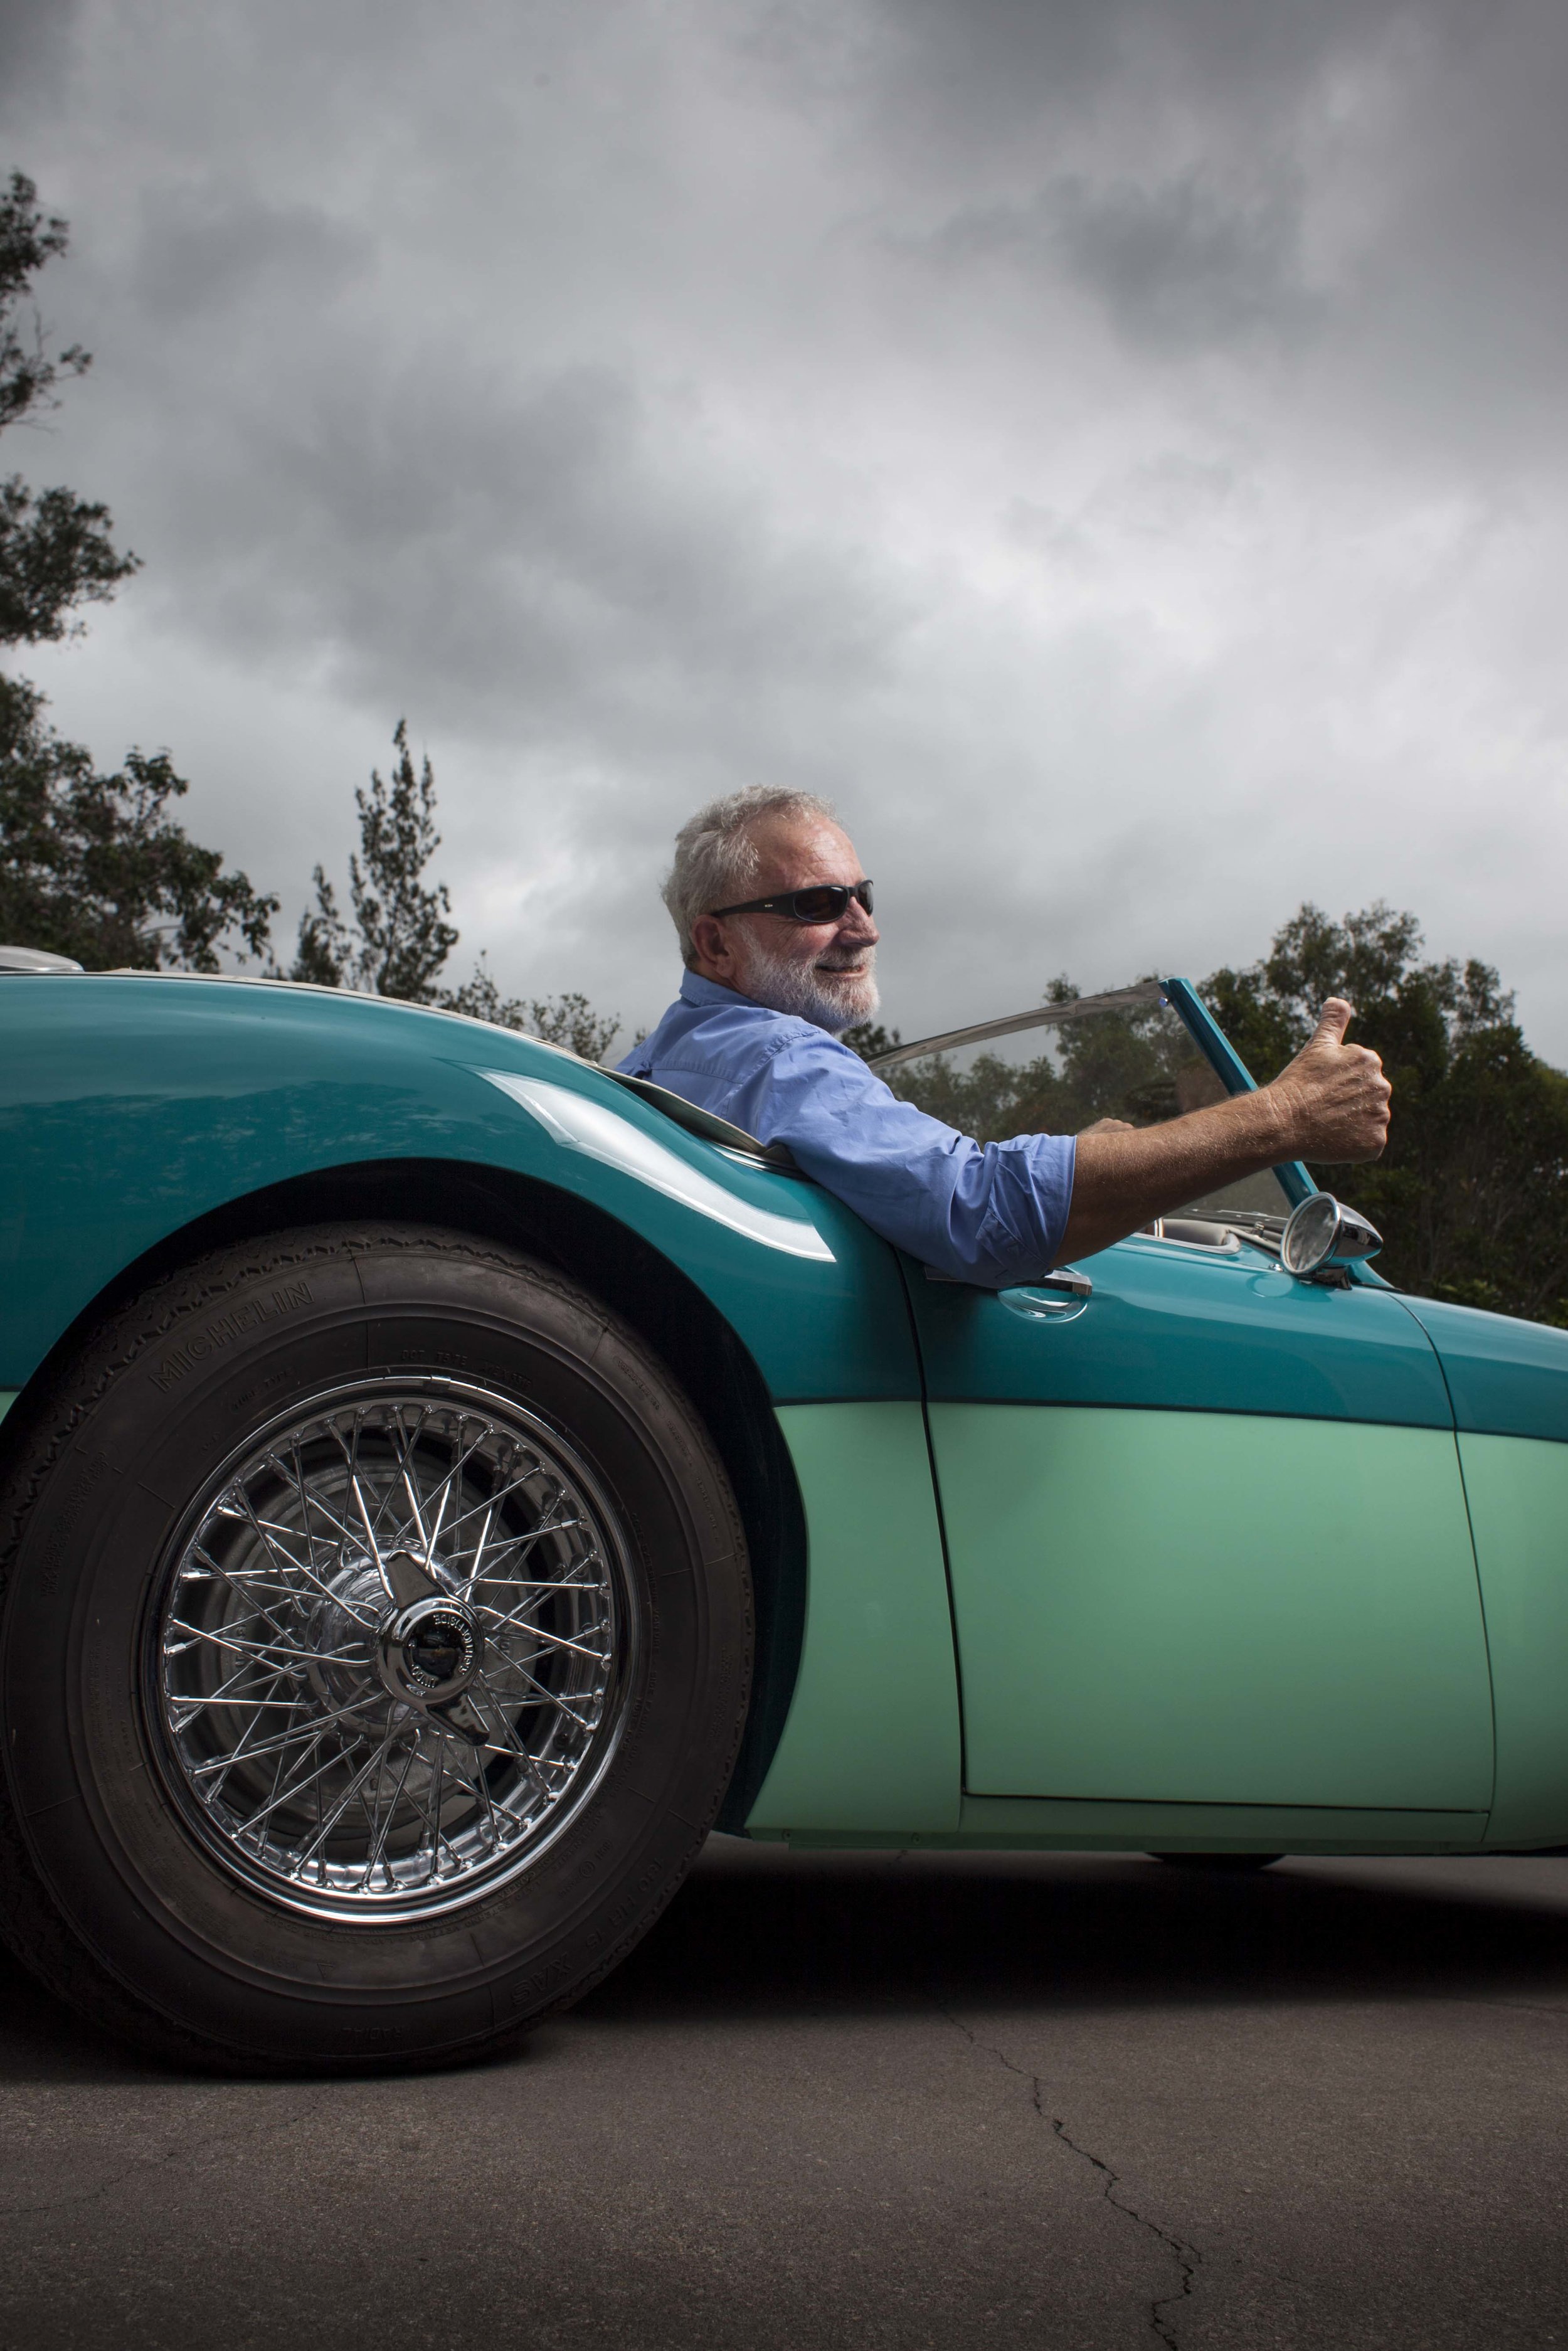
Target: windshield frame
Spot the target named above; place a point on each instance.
(1184, 1001)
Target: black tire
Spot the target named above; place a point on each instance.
(1236, 1864)
(119, 1887)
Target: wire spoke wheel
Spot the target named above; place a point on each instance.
(376, 1656)
(390, 1654)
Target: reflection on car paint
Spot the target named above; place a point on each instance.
(589, 1126)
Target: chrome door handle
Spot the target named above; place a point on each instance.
(1061, 1293)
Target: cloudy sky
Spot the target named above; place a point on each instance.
(1115, 447)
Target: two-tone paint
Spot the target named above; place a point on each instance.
(1213, 1559)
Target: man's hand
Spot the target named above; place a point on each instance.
(1334, 1099)
(1330, 1103)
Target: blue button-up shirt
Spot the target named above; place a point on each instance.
(990, 1213)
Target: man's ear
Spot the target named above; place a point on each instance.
(711, 944)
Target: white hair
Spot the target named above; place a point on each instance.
(716, 856)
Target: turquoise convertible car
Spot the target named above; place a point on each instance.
(441, 1481)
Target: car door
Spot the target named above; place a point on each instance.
(1205, 1523)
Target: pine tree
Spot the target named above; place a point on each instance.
(400, 936)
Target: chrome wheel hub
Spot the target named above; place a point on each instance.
(429, 1651)
(392, 1649)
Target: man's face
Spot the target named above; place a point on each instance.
(821, 971)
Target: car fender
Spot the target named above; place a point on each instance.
(133, 1106)
(136, 1109)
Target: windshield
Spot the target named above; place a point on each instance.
(1058, 1067)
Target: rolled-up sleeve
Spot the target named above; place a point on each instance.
(988, 1213)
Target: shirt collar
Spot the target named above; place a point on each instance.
(695, 989)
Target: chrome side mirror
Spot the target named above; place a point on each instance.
(1322, 1233)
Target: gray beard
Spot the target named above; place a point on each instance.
(785, 985)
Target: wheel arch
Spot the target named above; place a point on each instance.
(581, 1240)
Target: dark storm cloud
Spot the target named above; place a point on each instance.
(215, 254)
(1462, 297)
(1419, 148)
(441, 520)
(541, 526)
(35, 43)
(971, 84)
(527, 557)
(1177, 267)
(1028, 416)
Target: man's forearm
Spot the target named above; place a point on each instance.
(1122, 1179)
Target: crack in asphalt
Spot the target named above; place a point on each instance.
(1188, 2258)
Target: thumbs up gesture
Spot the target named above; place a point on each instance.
(1333, 1097)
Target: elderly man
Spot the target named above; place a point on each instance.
(775, 921)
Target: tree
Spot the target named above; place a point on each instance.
(403, 937)
(1135, 1062)
(1472, 1192)
(56, 551)
(569, 1019)
(399, 937)
(91, 866)
(870, 1038)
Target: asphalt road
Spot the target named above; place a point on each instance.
(868, 2101)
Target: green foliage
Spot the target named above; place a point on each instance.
(27, 240)
(868, 1038)
(1135, 1063)
(56, 551)
(400, 936)
(92, 866)
(1421, 1009)
(323, 952)
(569, 1019)
(1471, 1194)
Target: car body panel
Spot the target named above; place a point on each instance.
(1316, 1680)
(1081, 1827)
(135, 1106)
(1507, 1378)
(1211, 1607)
(1076, 1824)
(1172, 1325)
(1517, 1489)
(872, 1734)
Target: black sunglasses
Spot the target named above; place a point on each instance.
(820, 902)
